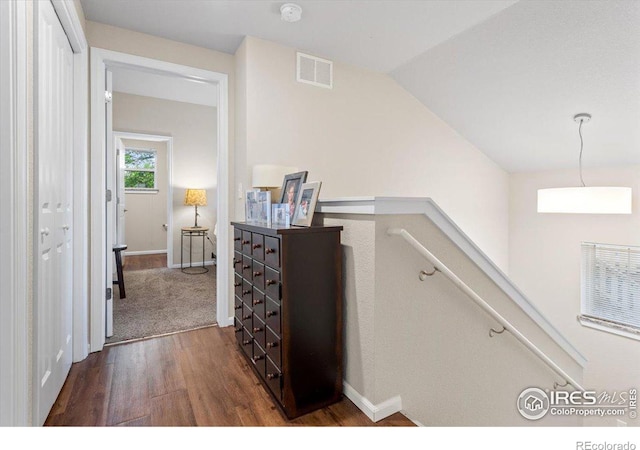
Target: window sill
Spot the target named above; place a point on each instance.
(141, 191)
(609, 327)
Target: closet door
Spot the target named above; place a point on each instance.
(53, 179)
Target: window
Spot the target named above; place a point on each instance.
(140, 170)
(611, 288)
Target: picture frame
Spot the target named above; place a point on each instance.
(306, 204)
(264, 207)
(290, 190)
(251, 206)
(280, 215)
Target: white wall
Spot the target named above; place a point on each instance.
(193, 128)
(544, 261)
(366, 136)
(147, 212)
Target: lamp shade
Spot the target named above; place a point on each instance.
(585, 200)
(195, 197)
(270, 176)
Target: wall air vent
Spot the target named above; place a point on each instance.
(314, 70)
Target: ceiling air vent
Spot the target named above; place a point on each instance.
(315, 71)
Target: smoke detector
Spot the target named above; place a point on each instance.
(290, 12)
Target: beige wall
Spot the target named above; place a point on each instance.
(147, 212)
(366, 136)
(544, 252)
(194, 158)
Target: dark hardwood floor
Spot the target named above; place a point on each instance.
(195, 378)
(140, 262)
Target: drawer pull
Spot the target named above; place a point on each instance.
(270, 282)
(246, 342)
(273, 376)
(246, 292)
(235, 261)
(257, 302)
(246, 266)
(272, 344)
(238, 330)
(246, 317)
(238, 307)
(236, 284)
(245, 242)
(255, 359)
(257, 274)
(256, 246)
(257, 329)
(236, 239)
(271, 313)
(268, 251)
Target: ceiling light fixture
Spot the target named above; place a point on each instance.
(583, 199)
(290, 12)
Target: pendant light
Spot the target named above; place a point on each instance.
(583, 199)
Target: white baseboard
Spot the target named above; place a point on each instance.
(145, 252)
(195, 264)
(373, 412)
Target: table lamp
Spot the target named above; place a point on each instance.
(195, 197)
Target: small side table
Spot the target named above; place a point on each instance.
(192, 232)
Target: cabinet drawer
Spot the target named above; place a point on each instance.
(274, 379)
(247, 263)
(258, 303)
(273, 316)
(257, 246)
(259, 359)
(247, 317)
(272, 283)
(247, 343)
(237, 262)
(237, 307)
(272, 251)
(272, 346)
(246, 242)
(257, 273)
(247, 291)
(238, 329)
(258, 331)
(237, 285)
(237, 239)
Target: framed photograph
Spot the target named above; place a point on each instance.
(291, 189)
(306, 204)
(264, 207)
(280, 215)
(251, 207)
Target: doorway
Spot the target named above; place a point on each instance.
(102, 151)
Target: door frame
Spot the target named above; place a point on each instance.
(100, 60)
(168, 140)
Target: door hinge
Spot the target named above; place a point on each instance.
(109, 195)
(109, 290)
(107, 97)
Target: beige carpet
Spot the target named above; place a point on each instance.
(161, 301)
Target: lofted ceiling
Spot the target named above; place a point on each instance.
(507, 75)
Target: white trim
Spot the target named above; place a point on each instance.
(426, 206)
(602, 325)
(14, 404)
(185, 265)
(373, 412)
(100, 58)
(146, 252)
(70, 21)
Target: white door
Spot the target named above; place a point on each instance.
(110, 204)
(121, 206)
(53, 215)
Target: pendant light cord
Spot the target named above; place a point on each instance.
(581, 147)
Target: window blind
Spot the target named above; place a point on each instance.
(611, 284)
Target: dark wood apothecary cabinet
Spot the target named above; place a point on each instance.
(288, 312)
